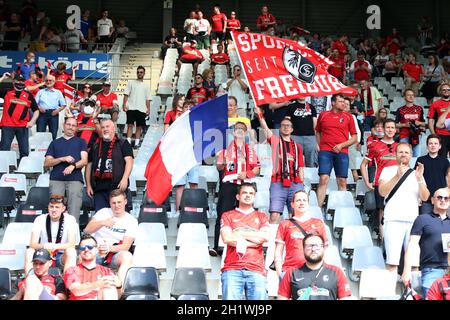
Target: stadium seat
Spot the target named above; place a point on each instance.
(194, 207)
(141, 281)
(329, 235)
(27, 213)
(192, 233)
(12, 256)
(343, 217)
(352, 237)
(151, 233)
(5, 284)
(150, 255)
(262, 200)
(150, 212)
(7, 202)
(366, 258)
(315, 212)
(4, 165)
(141, 297)
(339, 199)
(189, 281)
(313, 198)
(193, 256)
(17, 181)
(332, 256)
(361, 190)
(193, 297)
(43, 180)
(273, 282)
(18, 233)
(376, 283)
(11, 156)
(38, 197)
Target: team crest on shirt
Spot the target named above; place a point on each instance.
(326, 278)
(297, 235)
(341, 120)
(230, 166)
(298, 66)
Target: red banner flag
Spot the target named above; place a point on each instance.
(279, 69)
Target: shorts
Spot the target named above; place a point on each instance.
(353, 155)
(379, 200)
(112, 265)
(136, 116)
(396, 235)
(45, 295)
(58, 259)
(191, 61)
(329, 160)
(217, 35)
(191, 177)
(104, 39)
(109, 111)
(280, 196)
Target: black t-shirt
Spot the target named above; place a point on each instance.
(127, 151)
(302, 117)
(279, 114)
(12, 35)
(435, 170)
(169, 38)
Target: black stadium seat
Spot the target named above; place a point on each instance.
(141, 297)
(7, 202)
(38, 197)
(189, 281)
(150, 212)
(194, 207)
(5, 283)
(27, 213)
(141, 281)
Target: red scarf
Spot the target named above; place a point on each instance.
(231, 160)
(281, 159)
(107, 172)
(369, 103)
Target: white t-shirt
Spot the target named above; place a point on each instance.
(126, 226)
(320, 103)
(236, 91)
(138, 93)
(39, 227)
(404, 204)
(104, 26)
(191, 28)
(201, 25)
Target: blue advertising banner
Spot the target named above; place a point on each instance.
(93, 65)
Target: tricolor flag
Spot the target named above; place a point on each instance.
(71, 94)
(279, 69)
(196, 135)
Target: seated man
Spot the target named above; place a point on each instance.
(39, 285)
(115, 231)
(56, 232)
(88, 280)
(191, 55)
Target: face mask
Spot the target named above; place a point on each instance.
(32, 60)
(379, 134)
(360, 117)
(88, 110)
(19, 86)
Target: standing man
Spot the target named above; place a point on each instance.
(110, 162)
(426, 234)
(29, 65)
(437, 108)
(89, 280)
(435, 169)
(401, 203)
(237, 164)
(333, 130)
(115, 231)
(288, 163)
(265, 20)
(218, 23)
(202, 31)
(338, 68)
(372, 100)
(105, 29)
(67, 155)
(244, 231)
(361, 68)
(16, 116)
(412, 74)
(238, 87)
(55, 232)
(136, 103)
(341, 45)
(314, 280)
(50, 102)
(108, 102)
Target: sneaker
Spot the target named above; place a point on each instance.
(213, 252)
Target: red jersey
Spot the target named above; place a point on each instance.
(436, 109)
(394, 46)
(29, 83)
(337, 70)
(370, 142)
(237, 160)
(233, 24)
(86, 127)
(413, 70)
(191, 54)
(171, 116)
(439, 288)
(60, 79)
(81, 274)
(107, 101)
(265, 18)
(335, 127)
(218, 22)
(294, 155)
(52, 284)
(199, 95)
(383, 155)
(219, 58)
(253, 259)
(342, 48)
(16, 108)
(407, 114)
(292, 238)
(361, 74)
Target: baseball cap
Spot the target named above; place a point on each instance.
(19, 77)
(107, 83)
(42, 255)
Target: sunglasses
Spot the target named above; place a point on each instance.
(445, 89)
(57, 200)
(89, 247)
(140, 72)
(442, 198)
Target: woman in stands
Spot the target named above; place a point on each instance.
(177, 110)
(87, 95)
(434, 73)
(382, 114)
(209, 83)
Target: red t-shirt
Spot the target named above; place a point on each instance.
(342, 48)
(53, 285)
(82, 275)
(171, 116)
(60, 79)
(292, 238)
(219, 58)
(413, 70)
(107, 101)
(408, 114)
(335, 127)
(191, 54)
(29, 83)
(253, 259)
(393, 47)
(274, 142)
(338, 68)
(16, 109)
(361, 74)
(370, 142)
(383, 155)
(233, 24)
(199, 95)
(267, 18)
(435, 292)
(436, 109)
(218, 21)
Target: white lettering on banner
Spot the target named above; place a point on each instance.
(259, 85)
(373, 22)
(288, 86)
(74, 18)
(91, 65)
(250, 44)
(274, 87)
(5, 62)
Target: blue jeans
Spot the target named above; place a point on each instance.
(21, 134)
(47, 119)
(241, 284)
(416, 148)
(280, 196)
(429, 275)
(329, 160)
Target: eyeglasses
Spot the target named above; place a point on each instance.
(88, 246)
(313, 246)
(442, 198)
(445, 89)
